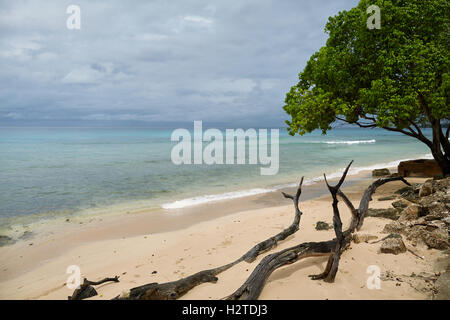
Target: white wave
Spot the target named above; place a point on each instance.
(245, 193)
(299, 141)
(213, 197)
(351, 142)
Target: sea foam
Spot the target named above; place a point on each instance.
(351, 142)
(188, 202)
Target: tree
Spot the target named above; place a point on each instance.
(395, 78)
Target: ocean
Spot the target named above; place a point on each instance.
(61, 172)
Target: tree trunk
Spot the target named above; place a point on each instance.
(440, 147)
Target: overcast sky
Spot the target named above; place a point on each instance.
(156, 61)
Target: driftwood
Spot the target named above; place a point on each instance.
(252, 287)
(86, 290)
(175, 289)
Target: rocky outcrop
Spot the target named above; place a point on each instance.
(419, 168)
(380, 172)
(426, 222)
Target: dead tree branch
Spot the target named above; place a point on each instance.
(86, 290)
(253, 286)
(175, 289)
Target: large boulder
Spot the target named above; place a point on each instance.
(393, 245)
(380, 172)
(419, 168)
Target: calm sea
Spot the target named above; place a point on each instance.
(54, 172)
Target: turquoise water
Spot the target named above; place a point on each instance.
(47, 172)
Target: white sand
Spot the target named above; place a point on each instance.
(38, 271)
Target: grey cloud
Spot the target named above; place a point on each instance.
(227, 61)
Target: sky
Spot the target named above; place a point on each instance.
(156, 62)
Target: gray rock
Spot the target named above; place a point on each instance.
(434, 236)
(394, 227)
(436, 239)
(321, 225)
(404, 189)
(393, 245)
(380, 172)
(400, 204)
(389, 213)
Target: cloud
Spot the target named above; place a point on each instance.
(157, 61)
(198, 20)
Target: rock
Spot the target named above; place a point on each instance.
(436, 239)
(419, 168)
(393, 245)
(358, 238)
(400, 204)
(404, 189)
(434, 236)
(321, 225)
(436, 211)
(5, 240)
(412, 212)
(426, 189)
(416, 187)
(389, 213)
(380, 172)
(394, 227)
(408, 193)
(387, 198)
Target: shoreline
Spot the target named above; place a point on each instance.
(181, 243)
(30, 226)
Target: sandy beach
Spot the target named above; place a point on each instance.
(142, 248)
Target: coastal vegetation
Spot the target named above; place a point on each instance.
(395, 77)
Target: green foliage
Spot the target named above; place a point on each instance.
(383, 77)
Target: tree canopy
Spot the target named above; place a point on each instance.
(395, 77)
